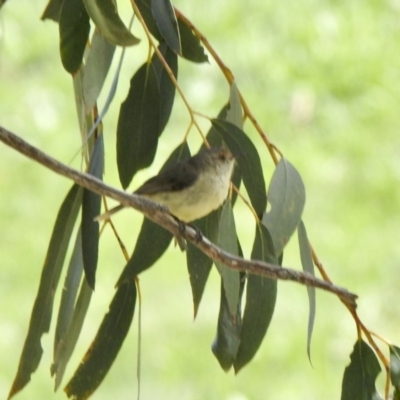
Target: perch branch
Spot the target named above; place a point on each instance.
(159, 214)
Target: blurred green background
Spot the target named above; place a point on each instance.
(323, 80)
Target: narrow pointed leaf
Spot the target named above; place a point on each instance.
(105, 16)
(261, 295)
(91, 205)
(227, 240)
(308, 266)
(138, 124)
(165, 18)
(145, 10)
(227, 341)
(96, 68)
(106, 345)
(74, 33)
(395, 366)
(287, 197)
(72, 313)
(248, 160)
(199, 264)
(192, 50)
(153, 240)
(70, 291)
(234, 113)
(52, 10)
(360, 375)
(67, 345)
(43, 306)
(166, 86)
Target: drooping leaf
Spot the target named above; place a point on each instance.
(138, 124)
(70, 291)
(144, 7)
(308, 266)
(166, 86)
(234, 112)
(287, 197)
(106, 345)
(52, 10)
(43, 306)
(192, 50)
(248, 160)
(91, 205)
(96, 68)
(198, 263)
(105, 16)
(395, 366)
(227, 341)
(261, 295)
(227, 240)
(360, 375)
(71, 315)
(153, 240)
(164, 15)
(74, 33)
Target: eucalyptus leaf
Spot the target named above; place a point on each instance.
(105, 16)
(164, 15)
(52, 10)
(261, 296)
(138, 124)
(227, 240)
(192, 50)
(43, 306)
(395, 366)
(106, 345)
(287, 197)
(91, 206)
(308, 266)
(96, 68)
(359, 377)
(234, 112)
(144, 7)
(74, 29)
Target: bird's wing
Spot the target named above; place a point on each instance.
(176, 178)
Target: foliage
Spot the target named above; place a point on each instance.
(142, 119)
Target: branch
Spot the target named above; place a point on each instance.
(160, 215)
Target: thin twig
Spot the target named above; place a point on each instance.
(159, 214)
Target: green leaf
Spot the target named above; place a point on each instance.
(166, 86)
(105, 16)
(165, 18)
(287, 197)
(395, 366)
(70, 291)
(91, 205)
(153, 240)
(359, 377)
(192, 50)
(248, 160)
(74, 33)
(144, 7)
(308, 266)
(71, 314)
(227, 240)
(234, 112)
(96, 68)
(198, 263)
(227, 341)
(106, 345)
(52, 10)
(261, 295)
(43, 306)
(138, 124)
